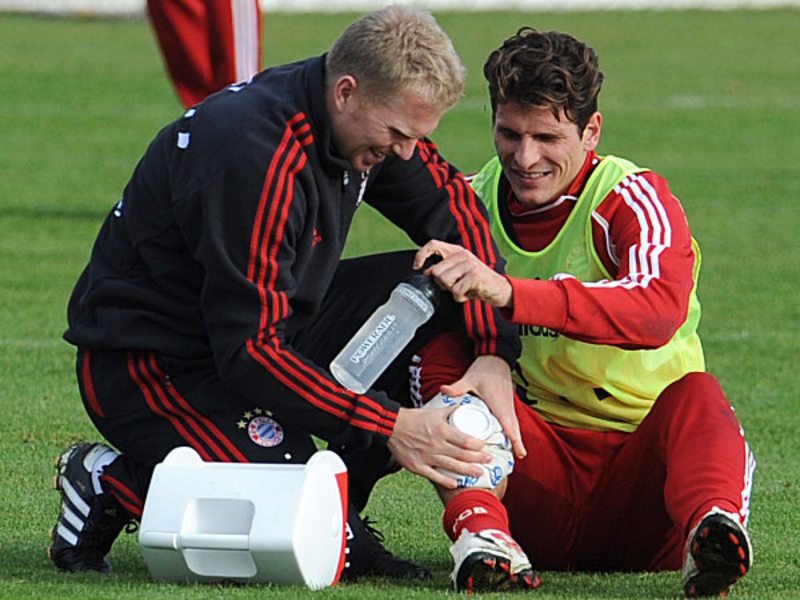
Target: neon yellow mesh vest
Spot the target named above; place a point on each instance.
(573, 383)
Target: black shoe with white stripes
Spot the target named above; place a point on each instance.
(89, 522)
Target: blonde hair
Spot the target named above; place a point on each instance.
(398, 49)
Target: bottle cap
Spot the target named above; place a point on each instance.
(426, 285)
(471, 420)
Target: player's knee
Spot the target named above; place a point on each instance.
(697, 388)
(696, 395)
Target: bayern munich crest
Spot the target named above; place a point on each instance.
(265, 431)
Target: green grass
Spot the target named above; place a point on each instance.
(707, 98)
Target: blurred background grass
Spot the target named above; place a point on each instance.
(707, 98)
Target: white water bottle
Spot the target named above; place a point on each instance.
(385, 333)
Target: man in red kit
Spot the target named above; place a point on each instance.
(635, 460)
(207, 44)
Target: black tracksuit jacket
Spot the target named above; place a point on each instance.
(230, 230)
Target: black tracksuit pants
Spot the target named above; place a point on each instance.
(145, 404)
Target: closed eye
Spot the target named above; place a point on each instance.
(403, 136)
(509, 134)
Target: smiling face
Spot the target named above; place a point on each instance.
(541, 155)
(366, 131)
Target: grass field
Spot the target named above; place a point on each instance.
(711, 100)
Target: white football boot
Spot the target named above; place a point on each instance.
(490, 561)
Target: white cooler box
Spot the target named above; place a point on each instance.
(245, 522)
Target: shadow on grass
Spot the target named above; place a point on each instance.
(563, 585)
(53, 212)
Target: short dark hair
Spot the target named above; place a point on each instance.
(551, 69)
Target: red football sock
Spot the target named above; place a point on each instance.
(474, 510)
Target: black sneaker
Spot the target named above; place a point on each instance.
(718, 554)
(366, 555)
(89, 522)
